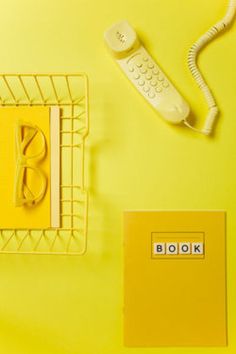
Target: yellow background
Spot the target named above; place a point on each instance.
(62, 305)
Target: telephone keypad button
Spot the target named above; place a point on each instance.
(141, 82)
(151, 94)
(165, 84)
(146, 88)
(153, 82)
(136, 76)
(160, 77)
(158, 89)
(150, 65)
(143, 70)
(139, 64)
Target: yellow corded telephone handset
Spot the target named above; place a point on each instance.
(151, 81)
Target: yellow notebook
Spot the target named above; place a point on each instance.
(174, 279)
(11, 216)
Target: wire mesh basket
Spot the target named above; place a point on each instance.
(70, 93)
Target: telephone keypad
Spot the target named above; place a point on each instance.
(148, 75)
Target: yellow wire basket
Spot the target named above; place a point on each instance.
(70, 93)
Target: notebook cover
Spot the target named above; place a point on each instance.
(22, 217)
(170, 298)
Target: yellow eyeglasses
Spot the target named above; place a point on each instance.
(30, 182)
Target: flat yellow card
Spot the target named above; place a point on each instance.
(174, 279)
(23, 217)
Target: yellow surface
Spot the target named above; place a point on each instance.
(11, 216)
(59, 305)
(171, 300)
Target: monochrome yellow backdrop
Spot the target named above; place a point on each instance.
(73, 305)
